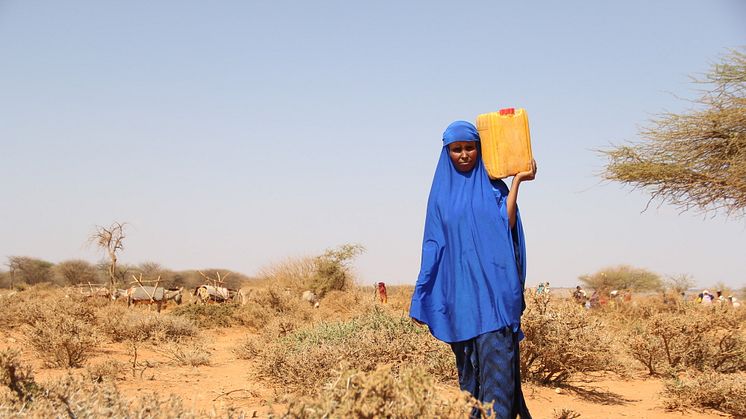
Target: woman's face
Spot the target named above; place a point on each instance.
(463, 155)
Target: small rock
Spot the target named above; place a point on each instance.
(558, 390)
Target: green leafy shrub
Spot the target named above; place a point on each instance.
(333, 269)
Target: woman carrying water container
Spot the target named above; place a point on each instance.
(470, 288)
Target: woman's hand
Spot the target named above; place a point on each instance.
(528, 175)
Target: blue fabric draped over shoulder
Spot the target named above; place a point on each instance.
(473, 266)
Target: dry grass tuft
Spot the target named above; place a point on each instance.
(192, 352)
(565, 414)
(248, 348)
(109, 370)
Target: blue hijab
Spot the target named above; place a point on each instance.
(473, 266)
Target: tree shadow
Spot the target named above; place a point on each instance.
(598, 395)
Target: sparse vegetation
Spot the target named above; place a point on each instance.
(562, 339)
(383, 393)
(689, 337)
(63, 333)
(301, 359)
(192, 352)
(697, 390)
(352, 355)
(208, 315)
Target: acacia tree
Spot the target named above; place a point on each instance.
(111, 240)
(76, 271)
(694, 160)
(679, 283)
(622, 277)
(29, 270)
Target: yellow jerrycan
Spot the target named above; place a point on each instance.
(506, 142)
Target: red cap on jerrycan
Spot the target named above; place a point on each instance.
(507, 111)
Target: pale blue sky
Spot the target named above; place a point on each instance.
(239, 133)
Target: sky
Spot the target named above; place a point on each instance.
(237, 134)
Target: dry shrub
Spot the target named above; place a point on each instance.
(269, 304)
(121, 324)
(399, 297)
(344, 304)
(192, 352)
(562, 339)
(208, 315)
(385, 394)
(304, 358)
(80, 397)
(321, 274)
(17, 379)
(565, 414)
(111, 321)
(109, 370)
(76, 397)
(723, 392)
(295, 274)
(253, 316)
(33, 304)
(63, 341)
(62, 332)
(248, 348)
(690, 337)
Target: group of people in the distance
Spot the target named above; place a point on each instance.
(599, 299)
(705, 297)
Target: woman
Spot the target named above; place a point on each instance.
(470, 288)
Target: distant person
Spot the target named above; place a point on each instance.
(473, 271)
(595, 299)
(382, 295)
(627, 296)
(579, 295)
(733, 301)
(706, 297)
(540, 288)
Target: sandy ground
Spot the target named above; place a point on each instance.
(231, 382)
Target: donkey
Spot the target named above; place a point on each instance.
(153, 295)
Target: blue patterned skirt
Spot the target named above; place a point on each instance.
(489, 368)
